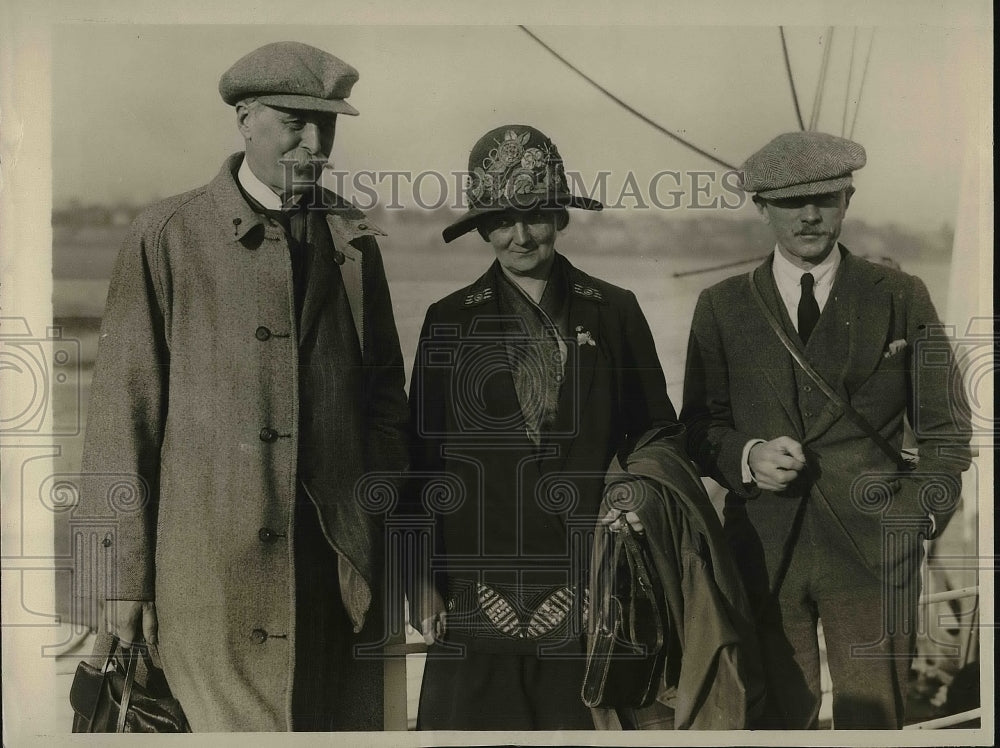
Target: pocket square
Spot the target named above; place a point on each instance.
(894, 347)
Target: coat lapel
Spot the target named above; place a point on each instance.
(857, 303)
(344, 230)
(483, 325)
(585, 346)
(871, 318)
(586, 341)
(771, 356)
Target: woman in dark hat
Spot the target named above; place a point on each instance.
(526, 383)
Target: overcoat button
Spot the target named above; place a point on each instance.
(262, 333)
(259, 636)
(267, 535)
(807, 388)
(558, 377)
(339, 257)
(268, 435)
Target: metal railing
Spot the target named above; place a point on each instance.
(972, 715)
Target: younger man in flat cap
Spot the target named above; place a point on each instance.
(825, 522)
(249, 374)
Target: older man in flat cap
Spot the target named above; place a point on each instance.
(798, 380)
(249, 373)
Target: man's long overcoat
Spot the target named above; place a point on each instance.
(193, 440)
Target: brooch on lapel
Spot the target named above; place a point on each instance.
(583, 337)
(894, 347)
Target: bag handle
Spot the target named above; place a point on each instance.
(625, 543)
(130, 671)
(607, 576)
(105, 645)
(640, 572)
(859, 420)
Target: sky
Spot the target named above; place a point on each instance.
(136, 113)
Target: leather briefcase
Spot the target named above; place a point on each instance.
(124, 695)
(627, 647)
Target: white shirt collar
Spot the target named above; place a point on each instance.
(787, 274)
(788, 279)
(257, 189)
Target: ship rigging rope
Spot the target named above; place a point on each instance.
(791, 80)
(821, 84)
(850, 73)
(864, 76)
(626, 107)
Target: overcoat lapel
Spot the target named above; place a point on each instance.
(342, 252)
(770, 355)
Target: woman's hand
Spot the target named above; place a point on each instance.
(614, 519)
(433, 622)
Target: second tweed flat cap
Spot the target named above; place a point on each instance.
(291, 75)
(802, 163)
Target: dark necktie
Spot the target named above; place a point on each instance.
(285, 215)
(296, 214)
(808, 308)
(299, 249)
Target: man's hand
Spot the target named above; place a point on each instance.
(433, 624)
(776, 463)
(124, 618)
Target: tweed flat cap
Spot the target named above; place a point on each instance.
(802, 163)
(291, 75)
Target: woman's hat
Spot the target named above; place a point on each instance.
(515, 167)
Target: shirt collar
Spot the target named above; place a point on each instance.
(257, 189)
(786, 272)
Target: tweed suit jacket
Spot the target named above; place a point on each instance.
(878, 343)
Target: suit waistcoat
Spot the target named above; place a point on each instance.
(827, 351)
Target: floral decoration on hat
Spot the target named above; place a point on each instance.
(515, 167)
(517, 171)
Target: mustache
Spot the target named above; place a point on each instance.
(302, 159)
